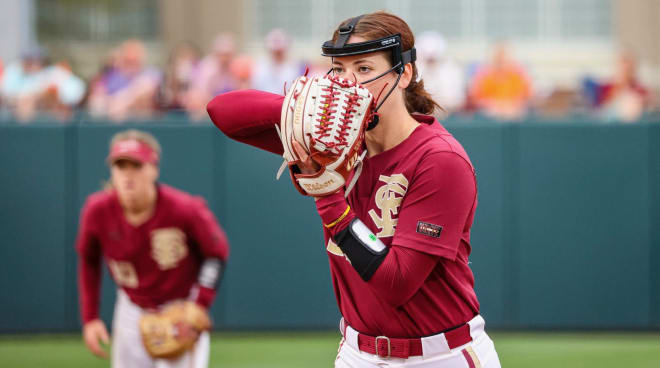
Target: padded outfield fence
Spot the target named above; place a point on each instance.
(566, 236)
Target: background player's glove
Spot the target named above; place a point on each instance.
(173, 330)
(327, 116)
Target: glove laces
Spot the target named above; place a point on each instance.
(329, 106)
(327, 110)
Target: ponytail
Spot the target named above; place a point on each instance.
(418, 99)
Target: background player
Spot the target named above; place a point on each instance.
(409, 300)
(160, 244)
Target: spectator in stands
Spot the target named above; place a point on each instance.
(623, 97)
(129, 88)
(31, 86)
(182, 65)
(443, 77)
(242, 68)
(271, 73)
(501, 89)
(108, 65)
(214, 76)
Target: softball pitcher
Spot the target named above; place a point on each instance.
(395, 191)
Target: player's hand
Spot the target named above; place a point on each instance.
(93, 331)
(186, 331)
(306, 165)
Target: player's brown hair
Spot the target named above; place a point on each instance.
(139, 135)
(382, 24)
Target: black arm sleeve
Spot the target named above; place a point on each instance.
(364, 250)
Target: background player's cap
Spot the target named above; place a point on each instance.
(134, 150)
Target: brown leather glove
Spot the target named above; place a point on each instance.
(173, 330)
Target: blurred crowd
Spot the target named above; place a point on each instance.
(126, 88)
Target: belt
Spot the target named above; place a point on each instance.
(386, 347)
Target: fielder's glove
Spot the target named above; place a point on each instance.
(327, 116)
(175, 329)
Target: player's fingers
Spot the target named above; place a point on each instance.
(306, 164)
(92, 333)
(101, 353)
(105, 336)
(93, 345)
(304, 156)
(186, 331)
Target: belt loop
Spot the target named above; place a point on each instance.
(458, 336)
(477, 325)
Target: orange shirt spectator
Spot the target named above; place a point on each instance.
(501, 89)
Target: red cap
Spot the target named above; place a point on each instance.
(134, 150)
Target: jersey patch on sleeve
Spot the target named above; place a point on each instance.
(428, 229)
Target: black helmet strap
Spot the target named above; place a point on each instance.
(345, 31)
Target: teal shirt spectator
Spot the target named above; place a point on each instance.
(16, 83)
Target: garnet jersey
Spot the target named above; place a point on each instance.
(420, 195)
(155, 262)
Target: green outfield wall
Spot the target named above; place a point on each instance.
(566, 236)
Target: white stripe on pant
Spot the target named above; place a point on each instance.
(436, 352)
(128, 350)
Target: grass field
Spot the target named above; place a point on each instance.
(307, 349)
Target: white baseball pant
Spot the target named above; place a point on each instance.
(479, 353)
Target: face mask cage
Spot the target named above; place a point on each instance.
(399, 58)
